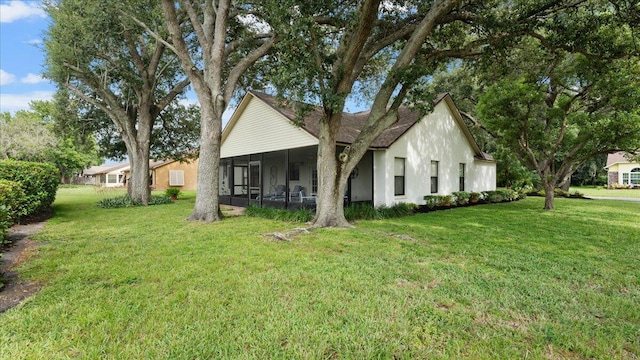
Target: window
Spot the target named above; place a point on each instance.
(434, 177)
(398, 176)
(314, 181)
(634, 177)
(176, 178)
(112, 179)
(461, 176)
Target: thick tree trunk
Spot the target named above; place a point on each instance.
(207, 207)
(549, 187)
(138, 185)
(331, 183)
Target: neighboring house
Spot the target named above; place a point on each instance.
(266, 159)
(173, 173)
(622, 171)
(108, 176)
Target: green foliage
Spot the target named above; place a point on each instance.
(300, 215)
(431, 201)
(474, 197)
(172, 192)
(443, 200)
(125, 202)
(365, 211)
(461, 197)
(11, 196)
(39, 181)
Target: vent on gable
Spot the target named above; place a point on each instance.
(176, 177)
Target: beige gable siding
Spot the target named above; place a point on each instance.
(259, 129)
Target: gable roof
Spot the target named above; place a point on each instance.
(352, 124)
(617, 157)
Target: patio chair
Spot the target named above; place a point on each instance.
(297, 193)
(278, 194)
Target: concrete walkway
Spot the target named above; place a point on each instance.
(613, 198)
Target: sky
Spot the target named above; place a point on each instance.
(22, 25)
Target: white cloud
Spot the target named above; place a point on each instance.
(15, 102)
(16, 10)
(34, 42)
(32, 79)
(6, 78)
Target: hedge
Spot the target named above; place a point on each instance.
(11, 195)
(39, 181)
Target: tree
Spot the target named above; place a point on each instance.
(230, 40)
(100, 55)
(332, 47)
(30, 136)
(25, 136)
(556, 109)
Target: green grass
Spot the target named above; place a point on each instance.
(603, 191)
(484, 282)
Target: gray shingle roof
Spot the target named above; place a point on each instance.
(352, 124)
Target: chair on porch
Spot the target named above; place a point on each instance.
(278, 194)
(296, 194)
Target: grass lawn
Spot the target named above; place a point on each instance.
(603, 191)
(494, 281)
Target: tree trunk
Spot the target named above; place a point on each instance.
(549, 187)
(138, 185)
(331, 183)
(207, 207)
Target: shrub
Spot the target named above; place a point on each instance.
(11, 197)
(444, 200)
(362, 211)
(494, 196)
(461, 197)
(172, 193)
(474, 197)
(39, 182)
(431, 201)
(126, 201)
(300, 215)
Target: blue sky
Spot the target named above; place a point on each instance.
(22, 24)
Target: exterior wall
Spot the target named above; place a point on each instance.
(616, 171)
(437, 137)
(161, 175)
(259, 129)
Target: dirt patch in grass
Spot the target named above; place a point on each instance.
(17, 249)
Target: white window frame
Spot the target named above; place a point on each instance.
(176, 177)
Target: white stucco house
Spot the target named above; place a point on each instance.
(622, 171)
(268, 159)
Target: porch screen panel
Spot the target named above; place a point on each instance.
(398, 172)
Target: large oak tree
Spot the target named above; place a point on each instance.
(104, 58)
(228, 39)
(332, 47)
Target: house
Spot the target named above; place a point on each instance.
(173, 173)
(622, 171)
(267, 159)
(108, 176)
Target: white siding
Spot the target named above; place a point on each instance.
(436, 137)
(260, 129)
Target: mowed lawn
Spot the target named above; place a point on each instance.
(506, 281)
(604, 192)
